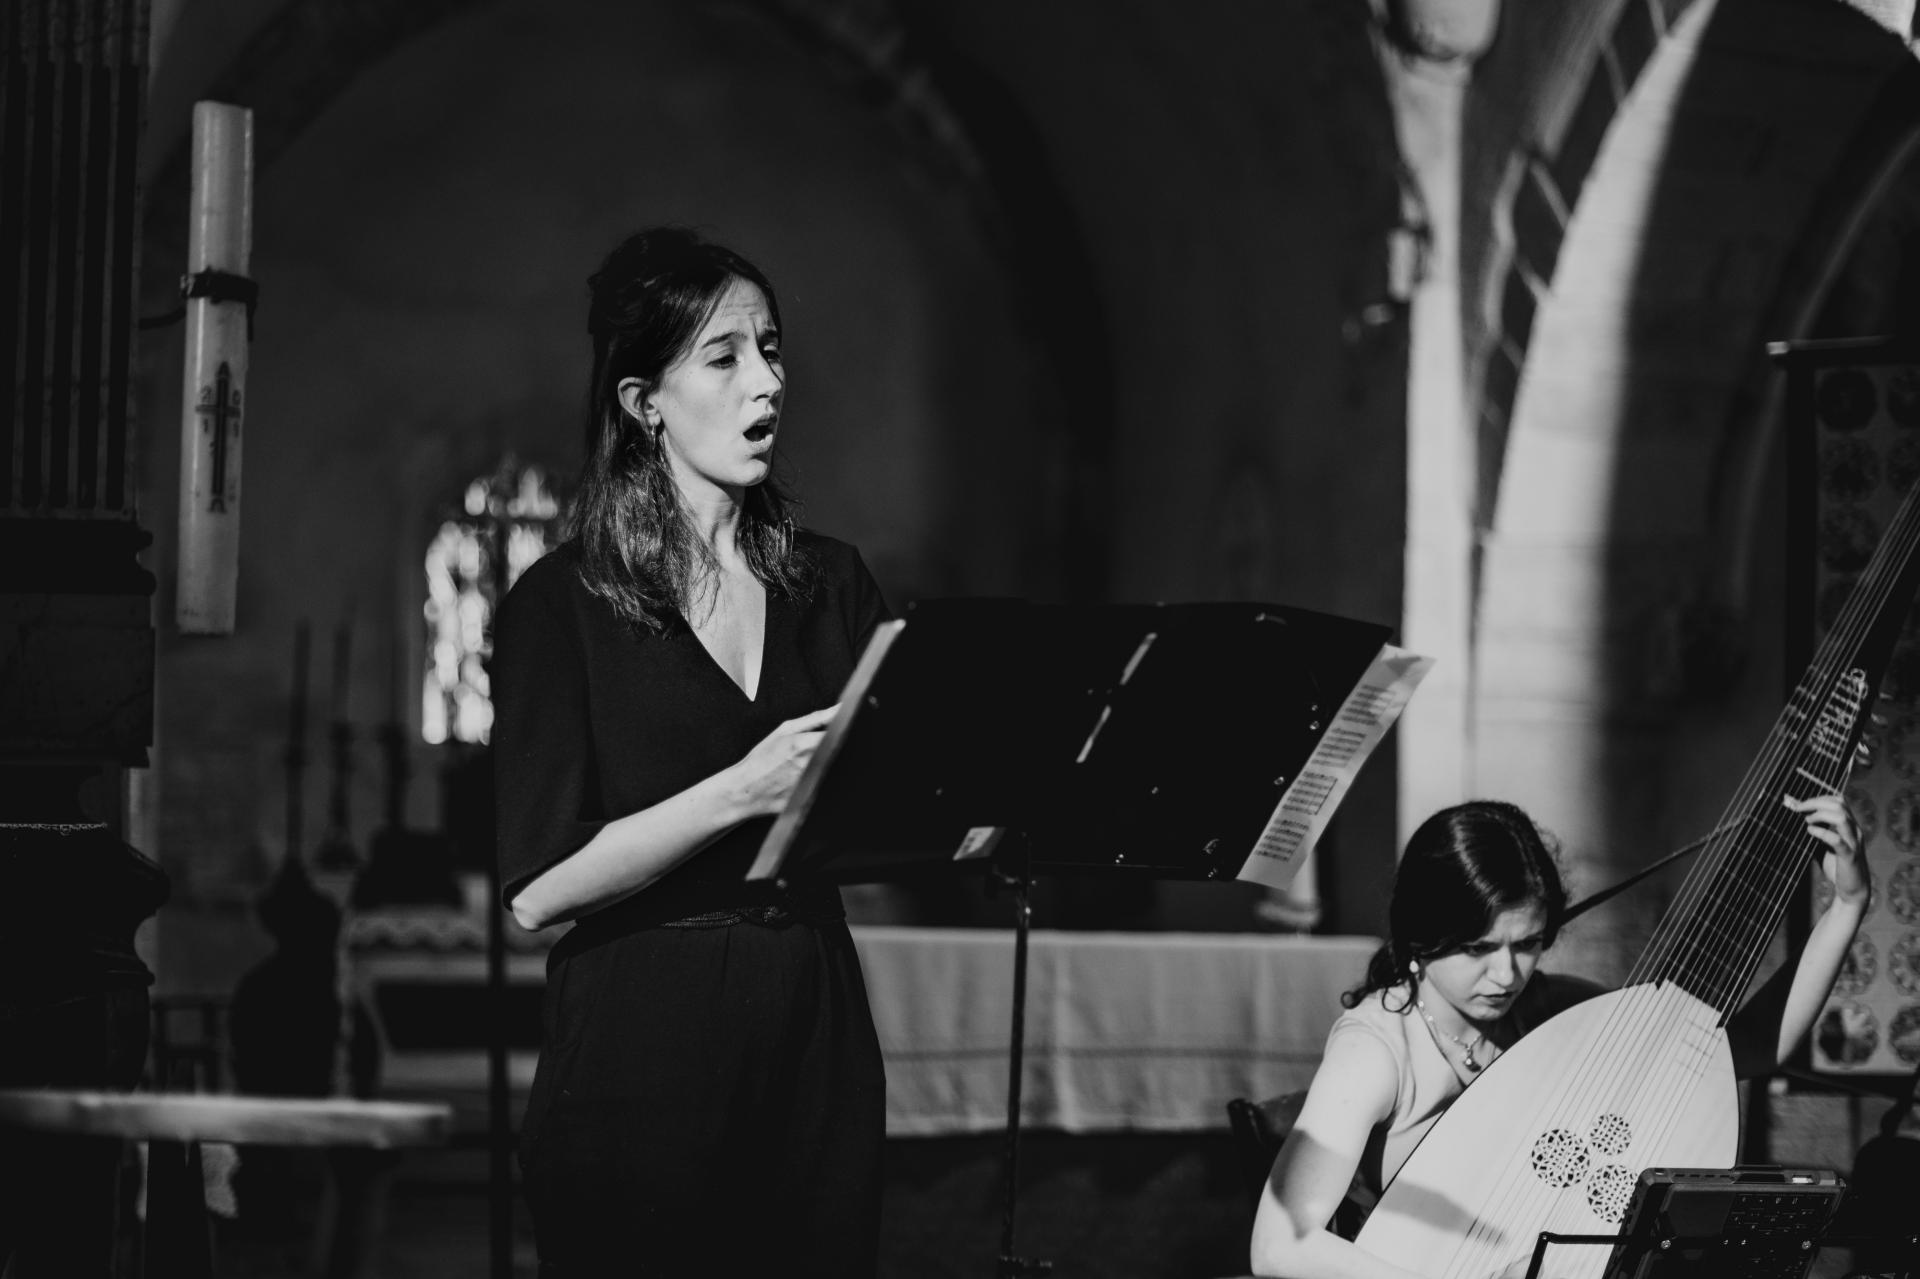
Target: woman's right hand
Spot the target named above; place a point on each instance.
(772, 769)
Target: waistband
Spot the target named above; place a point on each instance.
(769, 916)
(710, 904)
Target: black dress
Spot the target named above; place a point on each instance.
(709, 1099)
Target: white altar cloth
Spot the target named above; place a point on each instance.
(1124, 1031)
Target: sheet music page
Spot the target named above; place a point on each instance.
(979, 841)
(786, 827)
(1310, 799)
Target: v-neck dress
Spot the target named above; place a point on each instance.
(708, 1055)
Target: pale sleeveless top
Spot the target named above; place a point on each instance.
(1428, 1084)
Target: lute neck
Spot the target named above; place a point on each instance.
(1713, 937)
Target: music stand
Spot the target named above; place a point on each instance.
(1137, 739)
(1749, 1222)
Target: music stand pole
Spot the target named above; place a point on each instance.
(1020, 879)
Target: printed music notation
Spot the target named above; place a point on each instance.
(1310, 799)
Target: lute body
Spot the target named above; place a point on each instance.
(1553, 1135)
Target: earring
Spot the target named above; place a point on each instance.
(1413, 966)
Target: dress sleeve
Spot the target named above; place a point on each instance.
(545, 797)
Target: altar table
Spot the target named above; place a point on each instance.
(1143, 1032)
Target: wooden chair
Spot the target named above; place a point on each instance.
(1259, 1129)
(362, 1139)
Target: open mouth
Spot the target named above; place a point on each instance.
(761, 430)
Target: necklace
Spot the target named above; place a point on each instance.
(1467, 1059)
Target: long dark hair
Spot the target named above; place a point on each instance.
(638, 548)
(1464, 867)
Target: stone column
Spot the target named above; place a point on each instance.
(1428, 52)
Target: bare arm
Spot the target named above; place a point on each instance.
(1771, 1025)
(1353, 1090)
(631, 852)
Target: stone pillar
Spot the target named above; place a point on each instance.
(76, 630)
(1429, 53)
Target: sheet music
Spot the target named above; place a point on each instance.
(1311, 798)
(979, 841)
(786, 827)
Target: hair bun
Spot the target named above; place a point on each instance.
(635, 268)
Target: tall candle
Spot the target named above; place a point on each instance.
(220, 238)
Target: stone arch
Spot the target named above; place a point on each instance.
(1537, 180)
(1627, 467)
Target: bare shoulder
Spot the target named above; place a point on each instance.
(1357, 1081)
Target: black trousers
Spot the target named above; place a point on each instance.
(710, 1102)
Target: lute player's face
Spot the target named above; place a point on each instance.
(1483, 978)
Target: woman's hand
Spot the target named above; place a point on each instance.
(770, 771)
(1830, 822)
(1770, 1025)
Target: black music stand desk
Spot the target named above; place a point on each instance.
(1154, 740)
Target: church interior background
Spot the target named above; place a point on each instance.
(1451, 315)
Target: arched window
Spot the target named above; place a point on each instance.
(509, 520)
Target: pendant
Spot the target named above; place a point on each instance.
(1470, 1063)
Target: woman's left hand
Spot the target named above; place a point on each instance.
(1830, 822)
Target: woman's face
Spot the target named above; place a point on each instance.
(718, 404)
(1483, 978)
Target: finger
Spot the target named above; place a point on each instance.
(1841, 828)
(1841, 823)
(1820, 808)
(800, 747)
(812, 719)
(1823, 818)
